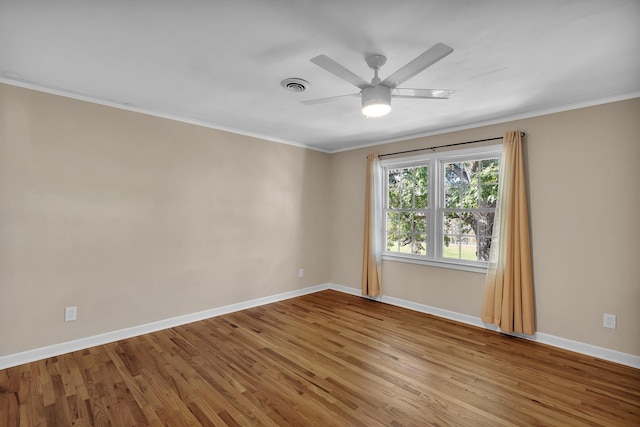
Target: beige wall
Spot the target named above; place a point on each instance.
(135, 219)
(585, 223)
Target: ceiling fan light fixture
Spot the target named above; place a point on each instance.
(376, 101)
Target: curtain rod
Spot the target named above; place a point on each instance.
(447, 145)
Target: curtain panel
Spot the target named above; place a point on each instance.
(372, 253)
(508, 296)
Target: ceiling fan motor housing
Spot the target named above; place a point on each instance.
(374, 98)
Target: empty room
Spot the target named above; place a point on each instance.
(319, 213)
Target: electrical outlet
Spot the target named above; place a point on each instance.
(301, 272)
(609, 321)
(70, 313)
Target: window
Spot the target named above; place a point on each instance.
(440, 208)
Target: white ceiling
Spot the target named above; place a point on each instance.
(219, 63)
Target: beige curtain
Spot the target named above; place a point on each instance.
(372, 254)
(508, 296)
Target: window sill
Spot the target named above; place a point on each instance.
(433, 263)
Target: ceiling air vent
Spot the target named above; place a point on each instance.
(295, 84)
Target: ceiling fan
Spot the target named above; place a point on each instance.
(376, 95)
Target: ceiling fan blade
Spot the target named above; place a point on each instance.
(421, 93)
(333, 67)
(422, 62)
(329, 99)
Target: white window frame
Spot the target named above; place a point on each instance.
(435, 162)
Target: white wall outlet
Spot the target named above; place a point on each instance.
(301, 272)
(70, 313)
(609, 321)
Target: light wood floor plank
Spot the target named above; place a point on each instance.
(322, 359)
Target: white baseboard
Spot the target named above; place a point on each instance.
(567, 344)
(83, 343)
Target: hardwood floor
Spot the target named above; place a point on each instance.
(320, 360)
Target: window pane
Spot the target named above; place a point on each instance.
(452, 197)
(407, 198)
(484, 223)
(419, 233)
(484, 229)
(469, 197)
(420, 222)
(489, 171)
(392, 242)
(451, 223)
(406, 222)
(404, 241)
(488, 195)
(406, 177)
(421, 199)
(395, 176)
(452, 173)
(471, 172)
(392, 222)
(417, 246)
(394, 198)
(421, 177)
(393, 219)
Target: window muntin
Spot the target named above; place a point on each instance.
(441, 207)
